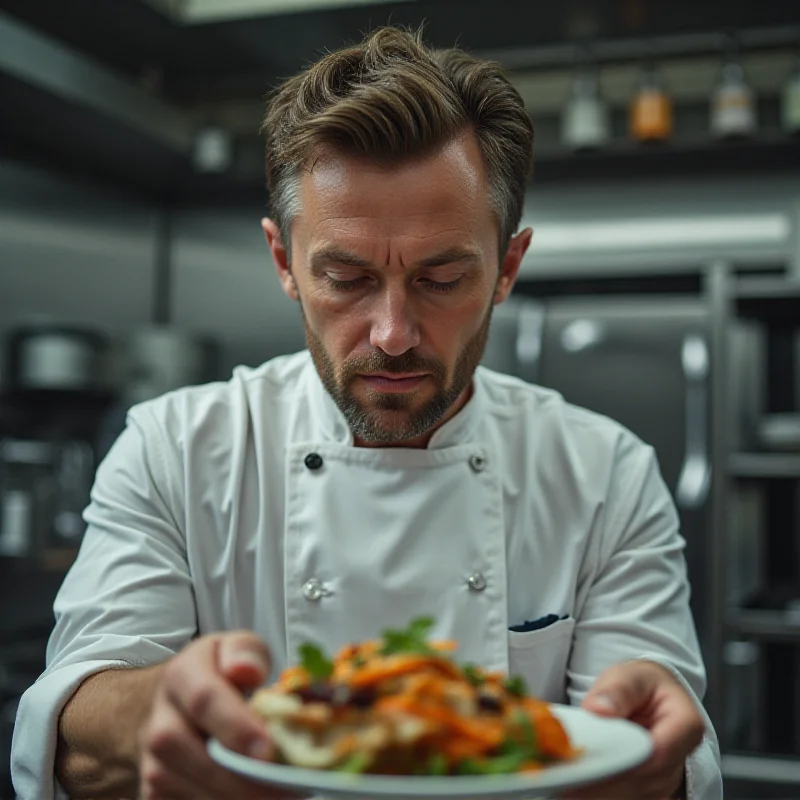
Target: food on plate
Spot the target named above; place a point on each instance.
(402, 706)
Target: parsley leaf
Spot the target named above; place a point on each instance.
(474, 675)
(356, 763)
(411, 640)
(437, 765)
(516, 686)
(314, 662)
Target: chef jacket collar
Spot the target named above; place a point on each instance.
(331, 425)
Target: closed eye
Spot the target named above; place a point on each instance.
(441, 286)
(345, 286)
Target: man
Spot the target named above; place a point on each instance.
(382, 475)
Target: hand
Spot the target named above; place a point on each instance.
(650, 695)
(200, 695)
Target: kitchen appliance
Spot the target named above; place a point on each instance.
(53, 356)
(44, 488)
(159, 359)
(643, 361)
(790, 102)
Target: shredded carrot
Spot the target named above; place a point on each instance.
(460, 721)
(397, 665)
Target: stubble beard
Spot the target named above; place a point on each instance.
(379, 419)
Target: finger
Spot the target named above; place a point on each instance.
(620, 690)
(677, 727)
(212, 704)
(158, 782)
(244, 659)
(182, 750)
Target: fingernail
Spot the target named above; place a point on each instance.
(260, 749)
(603, 702)
(245, 659)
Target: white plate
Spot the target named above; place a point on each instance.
(610, 746)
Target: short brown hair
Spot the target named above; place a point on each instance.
(389, 98)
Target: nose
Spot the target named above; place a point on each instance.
(394, 326)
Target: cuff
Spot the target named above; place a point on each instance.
(703, 776)
(33, 749)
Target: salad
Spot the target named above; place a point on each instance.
(401, 705)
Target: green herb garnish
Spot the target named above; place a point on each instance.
(315, 663)
(356, 763)
(474, 675)
(516, 686)
(529, 742)
(469, 766)
(437, 765)
(411, 640)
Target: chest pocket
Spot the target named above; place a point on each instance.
(541, 658)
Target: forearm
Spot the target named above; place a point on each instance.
(98, 733)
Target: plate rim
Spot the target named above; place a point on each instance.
(417, 786)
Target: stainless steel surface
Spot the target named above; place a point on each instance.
(761, 768)
(72, 251)
(159, 359)
(637, 49)
(37, 59)
(717, 293)
(695, 476)
(780, 432)
(530, 320)
(764, 465)
(51, 356)
(778, 626)
(52, 479)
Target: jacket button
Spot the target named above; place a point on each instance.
(477, 462)
(314, 589)
(476, 582)
(313, 461)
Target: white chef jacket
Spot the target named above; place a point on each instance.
(245, 505)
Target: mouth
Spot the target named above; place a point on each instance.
(392, 382)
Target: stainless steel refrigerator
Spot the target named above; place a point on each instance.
(643, 361)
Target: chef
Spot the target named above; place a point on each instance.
(378, 476)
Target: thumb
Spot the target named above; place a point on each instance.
(618, 692)
(243, 659)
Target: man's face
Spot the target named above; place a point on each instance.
(396, 270)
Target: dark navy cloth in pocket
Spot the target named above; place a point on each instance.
(537, 624)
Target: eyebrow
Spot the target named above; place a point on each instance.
(335, 254)
(452, 255)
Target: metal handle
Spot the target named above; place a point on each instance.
(695, 475)
(530, 324)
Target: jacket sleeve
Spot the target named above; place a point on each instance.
(126, 602)
(635, 598)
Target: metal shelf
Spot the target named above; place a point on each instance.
(771, 300)
(765, 624)
(761, 768)
(764, 465)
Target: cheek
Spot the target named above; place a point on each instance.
(342, 329)
(447, 333)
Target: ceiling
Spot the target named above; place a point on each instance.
(176, 59)
(245, 55)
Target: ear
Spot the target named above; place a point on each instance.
(509, 269)
(280, 258)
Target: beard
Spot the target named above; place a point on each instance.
(391, 418)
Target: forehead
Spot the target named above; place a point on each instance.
(445, 191)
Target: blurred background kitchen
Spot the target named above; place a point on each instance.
(662, 287)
